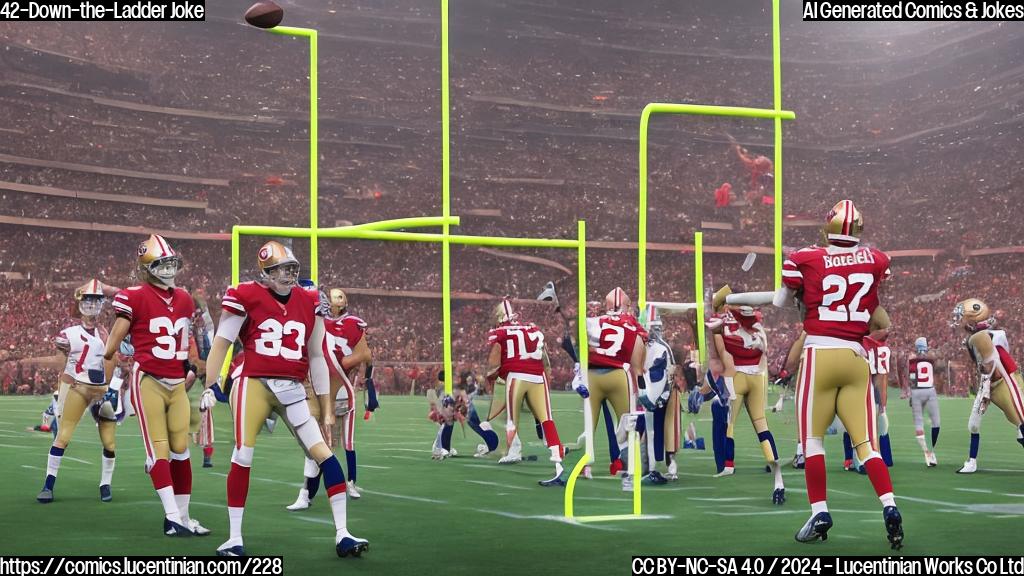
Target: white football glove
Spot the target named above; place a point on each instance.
(985, 392)
(207, 400)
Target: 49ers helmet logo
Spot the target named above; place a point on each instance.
(265, 253)
(143, 249)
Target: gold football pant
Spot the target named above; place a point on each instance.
(617, 387)
(78, 397)
(1007, 397)
(252, 401)
(835, 381)
(673, 429)
(537, 400)
(751, 391)
(163, 414)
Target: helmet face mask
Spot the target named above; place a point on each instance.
(283, 277)
(90, 305)
(165, 270)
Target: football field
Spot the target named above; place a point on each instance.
(472, 516)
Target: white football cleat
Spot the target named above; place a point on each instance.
(439, 454)
(627, 482)
(197, 528)
(510, 459)
(452, 453)
(481, 451)
(587, 473)
(301, 503)
(969, 467)
(727, 471)
(353, 493)
(930, 459)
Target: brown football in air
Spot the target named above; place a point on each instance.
(264, 14)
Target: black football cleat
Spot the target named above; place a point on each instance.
(893, 526)
(816, 528)
(45, 496)
(105, 494)
(175, 530)
(779, 496)
(351, 546)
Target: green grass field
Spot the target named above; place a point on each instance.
(466, 516)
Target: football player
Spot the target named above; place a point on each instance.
(837, 287)
(1000, 380)
(345, 348)
(281, 328)
(661, 401)
(617, 349)
(517, 355)
(921, 389)
(740, 343)
(82, 387)
(158, 316)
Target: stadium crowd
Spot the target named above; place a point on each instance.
(544, 133)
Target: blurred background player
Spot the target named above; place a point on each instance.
(836, 287)
(661, 402)
(201, 421)
(444, 411)
(740, 344)
(281, 327)
(616, 347)
(999, 377)
(158, 316)
(518, 356)
(921, 389)
(346, 349)
(82, 387)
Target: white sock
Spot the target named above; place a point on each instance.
(556, 453)
(235, 520)
(339, 509)
(53, 464)
(106, 470)
(170, 505)
(777, 470)
(921, 443)
(182, 501)
(888, 499)
(819, 507)
(799, 449)
(310, 468)
(303, 494)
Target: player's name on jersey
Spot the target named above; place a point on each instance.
(122, 10)
(792, 565)
(852, 259)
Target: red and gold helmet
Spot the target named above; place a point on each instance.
(90, 298)
(158, 262)
(339, 301)
(844, 224)
(973, 315)
(503, 312)
(718, 298)
(617, 301)
(279, 269)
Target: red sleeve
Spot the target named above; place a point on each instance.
(883, 265)
(123, 304)
(792, 277)
(492, 337)
(233, 301)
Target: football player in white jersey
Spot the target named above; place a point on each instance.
(82, 388)
(999, 378)
(921, 390)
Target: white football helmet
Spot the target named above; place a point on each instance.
(90, 298)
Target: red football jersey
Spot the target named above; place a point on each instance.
(734, 344)
(923, 370)
(522, 348)
(161, 322)
(615, 341)
(274, 334)
(342, 335)
(839, 288)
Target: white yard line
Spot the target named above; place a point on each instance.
(977, 490)
(498, 485)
